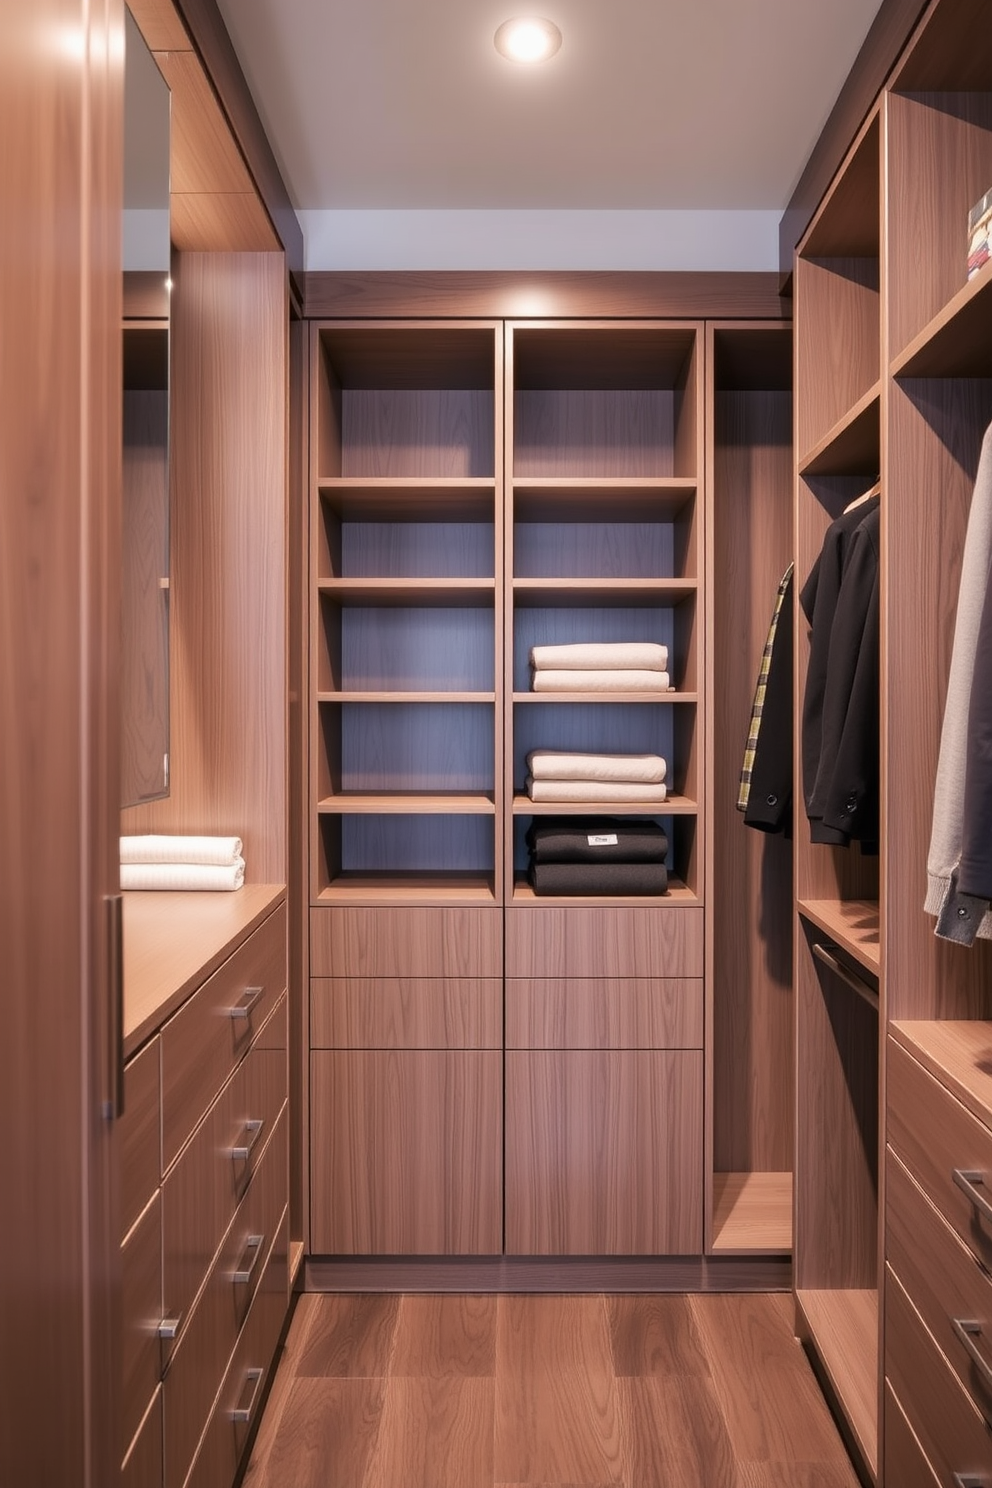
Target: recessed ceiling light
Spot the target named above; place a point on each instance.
(527, 39)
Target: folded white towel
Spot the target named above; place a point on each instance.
(588, 655)
(593, 790)
(209, 876)
(602, 680)
(220, 851)
(545, 764)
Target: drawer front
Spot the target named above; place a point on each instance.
(604, 1153)
(941, 1277)
(206, 1185)
(603, 1013)
(213, 1031)
(906, 1462)
(200, 1361)
(407, 1152)
(140, 1134)
(934, 1136)
(456, 942)
(406, 1013)
(141, 1301)
(950, 1430)
(144, 1465)
(605, 942)
(247, 1380)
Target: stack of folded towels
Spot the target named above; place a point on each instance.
(600, 666)
(182, 863)
(557, 776)
(597, 856)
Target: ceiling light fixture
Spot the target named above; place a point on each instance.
(527, 39)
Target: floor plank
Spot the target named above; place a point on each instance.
(326, 1435)
(351, 1336)
(285, 1364)
(674, 1433)
(654, 1335)
(441, 1335)
(436, 1433)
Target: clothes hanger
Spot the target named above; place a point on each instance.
(875, 490)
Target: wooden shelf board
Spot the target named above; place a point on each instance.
(752, 1212)
(958, 1053)
(578, 499)
(396, 890)
(406, 697)
(844, 1328)
(672, 696)
(407, 803)
(418, 499)
(958, 340)
(678, 894)
(852, 446)
(297, 1250)
(852, 923)
(673, 805)
(396, 593)
(573, 593)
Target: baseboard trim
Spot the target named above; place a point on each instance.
(547, 1274)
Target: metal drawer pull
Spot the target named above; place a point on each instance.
(970, 1480)
(249, 997)
(252, 1132)
(244, 1274)
(825, 953)
(968, 1182)
(169, 1327)
(241, 1414)
(967, 1331)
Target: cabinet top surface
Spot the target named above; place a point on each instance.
(174, 941)
(958, 1054)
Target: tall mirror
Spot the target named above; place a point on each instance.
(145, 547)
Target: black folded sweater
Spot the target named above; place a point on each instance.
(599, 878)
(600, 839)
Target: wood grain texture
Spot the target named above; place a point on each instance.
(905, 1460)
(220, 222)
(593, 1013)
(949, 49)
(203, 155)
(406, 1013)
(958, 1054)
(603, 1153)
(141, 1308)
(417, 432)
(604, 943)
(837, 341)
(228, 600)
(327, 1433)
(752, 1212)
(843, 1328)
(848, 221)
(407, 1153)
(675, 1432)
(144, 1466)
(655, 1337)
(140, 1134)
(434, 1434)
(351, 1337)
(410, 942)
(584, 433)
(444, 1337)
(854, 924)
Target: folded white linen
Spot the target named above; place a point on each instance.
(546, 764)
(601, 680)
(593, 790)
(221, 851)
(588, 655)
(208, 876)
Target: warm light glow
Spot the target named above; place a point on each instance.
(527, 39)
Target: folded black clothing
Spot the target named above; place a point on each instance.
(599, 839)
(599, 878)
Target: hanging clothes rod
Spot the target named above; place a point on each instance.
(865, 990)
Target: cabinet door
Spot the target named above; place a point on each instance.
(407, 1152)
(604, 1152)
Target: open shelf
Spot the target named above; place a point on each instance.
(394, 498)
(622, 592)
(399, 891)
(582, 498)
(395, 593)
(843, 1327)
(674, 805)
(403, 802)
(752, 1212)
(357, 695)
(851, 446)
(853, 924)
(672, 696)
(678, 895)
(957, 342)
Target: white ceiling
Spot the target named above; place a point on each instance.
(675, 104)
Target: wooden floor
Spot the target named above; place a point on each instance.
(388, 1391)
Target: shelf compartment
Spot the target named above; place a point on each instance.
(404, 552)
(843, 1328)
(404, 648)
(585, 498)
(389, 749)
(394, 890)
(957, 342)
(398, 851)
(679, 895)
(396, 593)
(852, 445)
(354, 695)
(673, 696)
(680, 829)
(402, 803)
(752, 1213)
(852, 924)
(546, 592)
(558, 616)
(395, 499)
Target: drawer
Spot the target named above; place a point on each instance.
(140, 1134)
(941, 1276)
(406, 1013)
(204, 1188)
(248, 1377)
(144, 1464)
(141, 1304)
(594, 942)
(458, 942)
(604, 1013)
(951, 1432)
(604, 1153)
(906, 1464)
(407, 1152)
(935, 1136)
(214, 1029)
(201, 1359)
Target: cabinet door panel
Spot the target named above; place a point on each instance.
(144, 1466)
(604, 1013)
(406, 1013)
(604, 1153)
(140, 1134)
(457, 942)
(407, 1153)
(607, 942)
(141, 1294)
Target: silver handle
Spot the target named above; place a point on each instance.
(244, 1274)
(169, 1327)
(241, 1414)
(244, 1150)
(114, 1106)
(967, 1181)
(243, 1008)
(967, 1331)
(857, 984)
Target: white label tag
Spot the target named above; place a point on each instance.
(605, 839)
